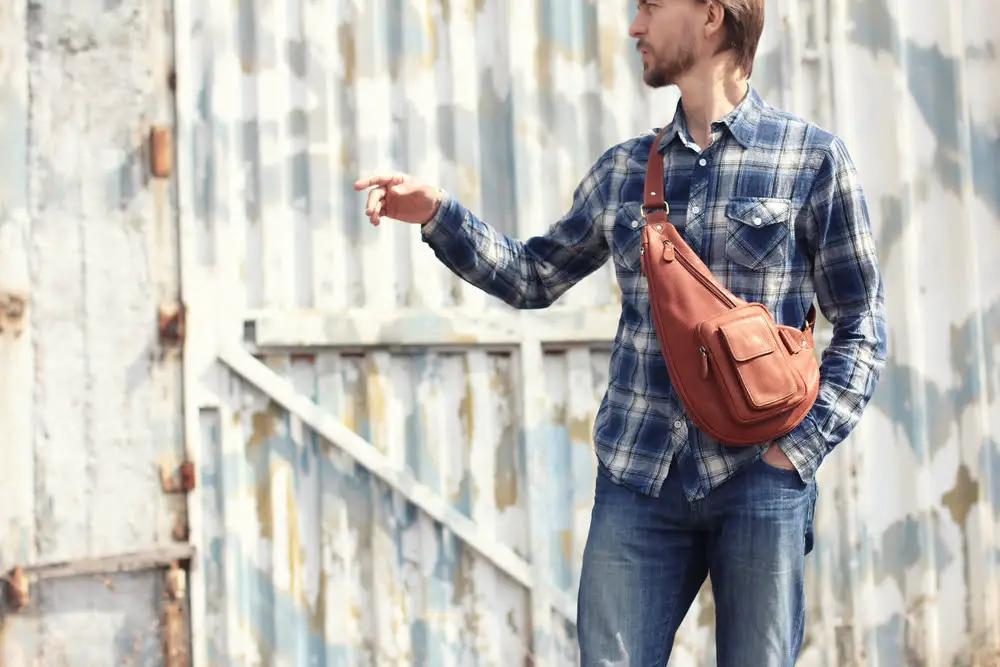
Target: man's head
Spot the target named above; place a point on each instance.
(674, 36)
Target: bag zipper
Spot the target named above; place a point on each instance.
(709, 285)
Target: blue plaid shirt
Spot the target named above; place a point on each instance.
(774, 208)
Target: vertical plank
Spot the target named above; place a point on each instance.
(232, 485)
(483, 433)
(214, 568)
(274, 88)
(557, 462)
(329, 179)
(586, 387)
(523, 31)
(542, 632)
(424, 285)
(462, 95)
(229, 165)
(375, 128)
(213, 634)
(978, 534)
(349, 618)
(17, 507)
(565, 107)
(18, 644)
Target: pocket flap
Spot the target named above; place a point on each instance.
(759, 211)
(748, 338)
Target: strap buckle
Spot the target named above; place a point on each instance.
(642, 209)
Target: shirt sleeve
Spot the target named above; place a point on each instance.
(850, 294)
(526, 274)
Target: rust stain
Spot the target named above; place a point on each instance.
(161, 146)
(464, 594)
(265, 513)
(17, 592)
(263, 428)
(317, 615)
(263, 425)
(566, 544)
(348, 52)
(506, 487)
(579, 430)
(465, 406)
(174, 641)
(12, 311)
(296, 552)
(377, 386)
(175, 644)
(963, 495)
(180, 530)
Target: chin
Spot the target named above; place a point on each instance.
(654, 79)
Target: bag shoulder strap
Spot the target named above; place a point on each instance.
(654, 206)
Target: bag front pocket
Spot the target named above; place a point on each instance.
(747, 359)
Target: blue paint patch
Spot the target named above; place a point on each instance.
(891, 225)
(559, 21)
(893, 639)
(900, 385)
(932, 78)
(903, 545)
(496, 167)
(559, 504)
(989, 461)
(986, 165)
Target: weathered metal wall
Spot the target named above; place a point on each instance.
(89, 399)
(309, 554)
(312, 557)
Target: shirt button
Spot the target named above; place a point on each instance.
(678, 423)
(757, 221)
(703, 162)
(695, 209)
(635, 223)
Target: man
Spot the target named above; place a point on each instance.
(773, 206)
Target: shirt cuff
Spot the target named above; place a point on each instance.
(804, 447)
(445, 222)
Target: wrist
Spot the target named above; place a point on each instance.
(437, 198)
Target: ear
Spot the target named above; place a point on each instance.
(714, 19)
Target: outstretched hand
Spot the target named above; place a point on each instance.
(400, 197)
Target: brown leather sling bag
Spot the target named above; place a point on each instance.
(743, 379)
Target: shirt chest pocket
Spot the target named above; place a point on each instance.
(626, 236)
(758, 231)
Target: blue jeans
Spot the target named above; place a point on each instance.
(646, 559)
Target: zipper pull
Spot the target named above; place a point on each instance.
(642, 259)
(704, 363)
(668, 251)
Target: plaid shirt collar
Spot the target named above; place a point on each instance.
(741, 122)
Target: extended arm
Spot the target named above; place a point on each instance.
(525, 274)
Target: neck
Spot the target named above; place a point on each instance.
(708, 93)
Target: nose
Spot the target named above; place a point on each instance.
(638, 27)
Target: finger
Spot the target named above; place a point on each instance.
(377, 212)
(375, 198)
(381, 179)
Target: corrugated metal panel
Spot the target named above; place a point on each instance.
(89, 399)
(309, 554)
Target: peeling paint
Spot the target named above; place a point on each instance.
(962, 496)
